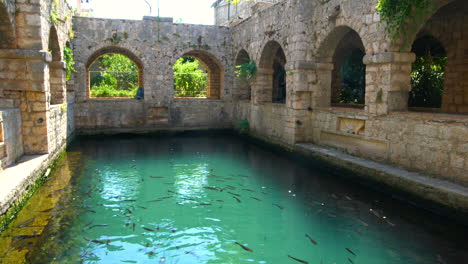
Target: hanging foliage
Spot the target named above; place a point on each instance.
(69, 60)
(247, 71)
(399, 14)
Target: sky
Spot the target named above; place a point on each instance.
(183, 11)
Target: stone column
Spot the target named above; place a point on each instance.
(262, 88)
(57, 82)
(27, 75)
(321, 80)
(388, 81)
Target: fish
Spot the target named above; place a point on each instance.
(211, 188)
(237, 199)
(88, 224)
(334, 196)
(279, 206)
(91, 227)
(148, 229)
(128, 201)
(204, 204)
(234, 194)
(363, 223)
(221, 201)
(350, 251)
(26, 223)
(153, 201)
(231, 187)
(91, 211)
(245, 176)
(165, 197)
(264, 193)
(243, 247)
(311, 239)
(98, 242)
(248, 190)
(142, 207)
(255, 198)
(171, 191)
(348, 198)
(375, 213)
(350, 260)
(46, 211)
(133, 226)
(128, 210)
(298, 260)
(156, 177)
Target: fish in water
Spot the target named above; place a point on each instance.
(298, 260)
(91, 211)
(148, 229)
(128, 210)
(237, 199)
(91, 227)
(221, 201)
(204, 204)
(156, 177)
(248, 190)
(26, 223)
(211, 188)
(133, 226)
(350, 260)
(46, 211)
(171, 191)
(255, 198)
(231, 187)
(88, 224)
(244, 247)
(128, 201)
(153, 201)
(279, 206)
(311, 239)
(97, 241)
(238, 195)
(142, 207)
(350, 251)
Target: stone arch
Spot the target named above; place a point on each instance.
(448, 25)
(342, 69)
(242, 89)
(214, 69)
(7, 33)
(271, 76)
(114, 50)
(56, 70)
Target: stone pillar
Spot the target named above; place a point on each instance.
(321, 84)
(26, 73)
(388, 81)
(57, 82)
(262, 88)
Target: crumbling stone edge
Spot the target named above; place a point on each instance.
(30, 185)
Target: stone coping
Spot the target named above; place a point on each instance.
(439, 192)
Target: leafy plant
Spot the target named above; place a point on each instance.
(114, 75)
(189, 79)
(247, 71)
(70, 61)
(399, 14)
(427, 81)
(353, 83)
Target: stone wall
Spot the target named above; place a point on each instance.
(12, 144)
(154, 46)
(310, 33)
(227, 14)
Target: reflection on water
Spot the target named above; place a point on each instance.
(217, 200)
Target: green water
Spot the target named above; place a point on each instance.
(198, 199)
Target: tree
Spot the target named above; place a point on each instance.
(189, 79)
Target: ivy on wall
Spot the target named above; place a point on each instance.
(69, 60)
(399, 15)
(247, 71)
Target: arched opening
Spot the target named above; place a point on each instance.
(197, 74)
(428, 73)
(272, 66)
(439, 76)
(114, 73)
(242, 82)
(7, 37)
(348, 76)
(56, 70)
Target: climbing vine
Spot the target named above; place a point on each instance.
(68, 57)
(247, 71)
(398, 14)
(54, 15)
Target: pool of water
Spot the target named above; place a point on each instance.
(215, 199)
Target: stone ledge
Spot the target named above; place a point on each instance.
(25, 54)
(439, 192)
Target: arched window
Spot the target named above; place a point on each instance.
(272, 66)
(56, 70)
(242, 82)
(348, 77)
(114, 73)
(197, 74)
(428, 73)
(439, 78)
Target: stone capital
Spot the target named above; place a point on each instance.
(390, 57)
(25, 54)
